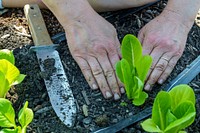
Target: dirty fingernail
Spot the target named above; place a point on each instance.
(94, 87)
(160, 81)
(147, 87)
(122, 90)
(116, 96)
(108, 94)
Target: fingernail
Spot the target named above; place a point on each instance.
(160, 81)
(108, 94)
(147, 87)
(116, 96)
(122, 90)
(94, 87)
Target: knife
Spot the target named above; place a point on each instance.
(185, 77)
(57, 85)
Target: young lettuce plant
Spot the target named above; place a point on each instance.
(9, 74)
(172, 111)
(8, 55)
(132, 69)
(7, 117)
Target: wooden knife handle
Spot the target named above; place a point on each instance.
(37, 25)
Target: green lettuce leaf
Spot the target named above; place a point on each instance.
(139, 95)
(182, 132)
(4, 87)
(7, 114)
(185, 113)
(170, 117)
(123, 71)
(133, 68)
(160, 109)
(173, 111)
(141, 99)
(143, 66)
(11, 72)
(19, 79)
(10, 131)
(181, 93)
(149, 126)
(8, 55)
(25, 116)
(131, 50)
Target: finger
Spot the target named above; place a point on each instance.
(99, 76)
(86, 70)
(157, 71)
(114, 58)
(118, 48)
(147, 44)
(169, 69)
(110, 75)
(155, 54)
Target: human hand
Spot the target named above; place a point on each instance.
(93, 44)
(163, 38)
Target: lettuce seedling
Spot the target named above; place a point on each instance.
(172, 111)
(8, 55)
(133, 68)
(9, 74)
(7, 117)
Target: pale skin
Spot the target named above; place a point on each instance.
(94, 45)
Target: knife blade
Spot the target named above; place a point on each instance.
(57, 85)
(185, 77)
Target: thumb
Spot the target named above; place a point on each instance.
(118, 48)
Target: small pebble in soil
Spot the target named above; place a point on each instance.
(114, 121)
(37, 108)
(43, 110)
(92, 128)
(85, 110)
(119, 117)
(80, 118)
(102, 120)
(98, 100)
(44, 95)
(103, 109)
(87, 121)
(130, 114)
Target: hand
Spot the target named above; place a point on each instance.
(93, 43)
(163, 38)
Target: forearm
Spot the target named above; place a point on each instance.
(21, 3)
(68, 10)
(186, 10)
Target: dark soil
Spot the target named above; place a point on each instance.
(14, 35)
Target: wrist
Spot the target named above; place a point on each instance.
(68, 11)
(184, 10)
(68, 8)
(178, 17)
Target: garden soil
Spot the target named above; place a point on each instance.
(14, 35)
